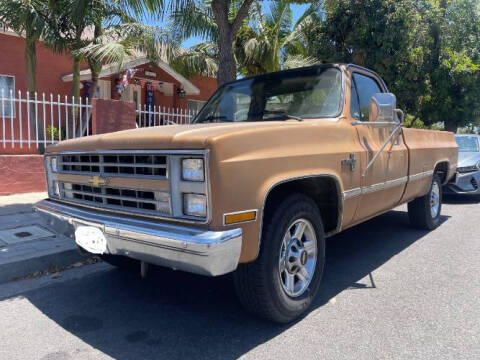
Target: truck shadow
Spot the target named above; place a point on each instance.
(173, 315)
(461, 199)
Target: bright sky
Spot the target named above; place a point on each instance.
(297, 10)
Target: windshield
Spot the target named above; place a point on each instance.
(305, 93)
(467, 144)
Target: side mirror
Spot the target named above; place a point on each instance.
(382, 108)
(400, 117)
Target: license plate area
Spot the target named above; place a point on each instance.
(91, 238)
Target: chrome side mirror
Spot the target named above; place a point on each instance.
(382, 108)
(399, 117)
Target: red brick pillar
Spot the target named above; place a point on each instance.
(112, 115)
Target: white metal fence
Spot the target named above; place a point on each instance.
(33, 120)
(161, 115)
(29, 120)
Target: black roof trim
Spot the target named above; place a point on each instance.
(265, 75)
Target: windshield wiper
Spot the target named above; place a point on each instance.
(212, 117)
(281, 113)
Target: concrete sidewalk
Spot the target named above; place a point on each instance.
(27, 245)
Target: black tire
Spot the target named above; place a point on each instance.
(258, 284)
(419, 210)
(121, 262)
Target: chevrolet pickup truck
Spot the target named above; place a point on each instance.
(270, 167)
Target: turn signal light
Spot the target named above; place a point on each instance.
(238, 217)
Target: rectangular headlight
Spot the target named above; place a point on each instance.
(195, 205)
(193, 170)
(56, 189)
(54, 164)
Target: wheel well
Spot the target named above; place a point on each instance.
(323, 190)
(442, 170)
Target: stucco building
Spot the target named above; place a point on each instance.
(153, 83)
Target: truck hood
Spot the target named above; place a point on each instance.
(196, 136)
(468, 158)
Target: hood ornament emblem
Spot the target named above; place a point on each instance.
(97, 181)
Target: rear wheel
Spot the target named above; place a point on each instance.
(282, 283)
(424, 212)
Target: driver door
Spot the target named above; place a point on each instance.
(384, 182)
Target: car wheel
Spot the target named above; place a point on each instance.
(282, 282)
(424, 212)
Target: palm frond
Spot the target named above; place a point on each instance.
(201, 59)
(194, 20)
(117, 43)
(296, 61)
(23, 16)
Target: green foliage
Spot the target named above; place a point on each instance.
(427, 51)
(200, 59)
(414, 122)
(272, 41)
(53, 131)
(27, 18)
(264, 42)
(382, 35)
(454, 64)
(120, 42)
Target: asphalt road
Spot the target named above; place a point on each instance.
(390, 292)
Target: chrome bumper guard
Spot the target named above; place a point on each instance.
(194, 250)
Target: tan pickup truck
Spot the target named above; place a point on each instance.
(271, 167)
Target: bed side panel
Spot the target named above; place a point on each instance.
(426, 149)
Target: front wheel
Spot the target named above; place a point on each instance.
(424, 212)
(282, 282)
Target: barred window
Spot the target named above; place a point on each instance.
(7, 87)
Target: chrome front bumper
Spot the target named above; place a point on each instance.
(194, 250)
(464, 183)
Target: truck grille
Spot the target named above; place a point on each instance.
(123, 165)
(140, 182)
(142, 201)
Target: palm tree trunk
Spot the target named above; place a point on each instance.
(95, 68)
(226, 61)
(76, 79)
(31, 70)
(227, 69)
(75, 97)
(95, 65)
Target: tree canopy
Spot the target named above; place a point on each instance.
(427, 51)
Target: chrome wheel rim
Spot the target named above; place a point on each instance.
(435, 199)
(298, 257)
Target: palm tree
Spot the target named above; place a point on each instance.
(217, 21)
(75, 24)
(119, 42)
(273, 42)
(201, 59)
(102, 31)
(264, 43)
(25, 17)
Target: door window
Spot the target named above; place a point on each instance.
(363, 89)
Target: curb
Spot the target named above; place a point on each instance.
(21, 268)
